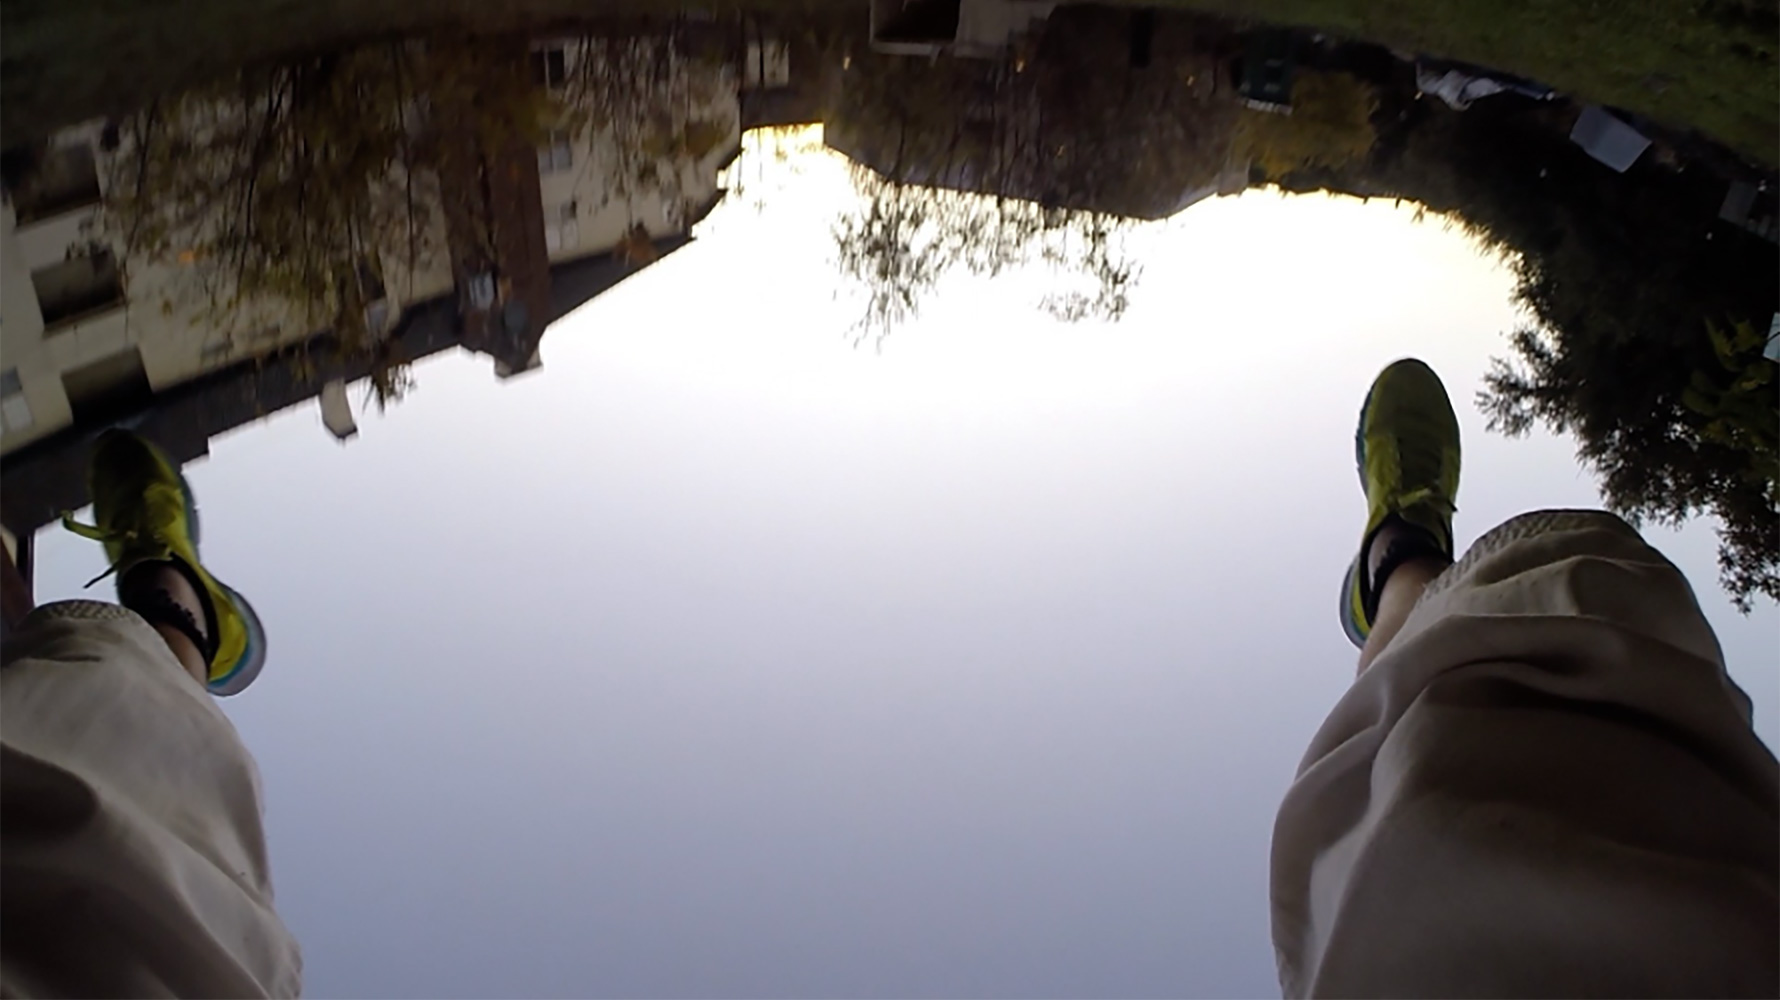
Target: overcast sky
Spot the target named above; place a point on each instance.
(722, 658)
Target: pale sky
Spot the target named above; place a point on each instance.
(720, 657)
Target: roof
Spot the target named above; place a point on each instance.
(47, 477)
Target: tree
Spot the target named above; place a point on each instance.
(655, 104)
(1641, 311)
(286, 191)
(901, 238)
(1330, 126)
(987, 165)
(1701, 442)
(293, 195)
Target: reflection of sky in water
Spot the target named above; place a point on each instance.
(720, 657)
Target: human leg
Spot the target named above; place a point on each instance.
(146, 516)
(135, 857)
(160, 583)
(1396, 599)
(1542, 783)
(1406, 449)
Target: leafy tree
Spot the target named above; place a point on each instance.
(1703, 442)
(1641, 307)
(291, 193)
(1330, 126)
(901, 238)
(1043, 156)
(1643, 347)
(284, 191)
(655, 104)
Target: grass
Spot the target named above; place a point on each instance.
(1706, 65)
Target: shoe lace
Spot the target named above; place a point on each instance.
(98, 534)
(139, 529)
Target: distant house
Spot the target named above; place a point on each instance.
(1268, 68)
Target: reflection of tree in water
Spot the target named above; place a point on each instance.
(283, 185)
(1646, 310)
(1654, 365)
(291, 193)
(1644, 315)
(902, 238)
(1707, 445)
(297, 197)
(659, 101)
(1330, 126)
(1062, 143)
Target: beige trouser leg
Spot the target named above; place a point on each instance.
(1546, 785)
(135, 859)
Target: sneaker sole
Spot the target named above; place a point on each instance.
(253, 658)
(1349, 626)
(1344, 608)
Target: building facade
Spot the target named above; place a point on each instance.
(90, 333)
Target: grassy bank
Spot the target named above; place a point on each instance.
(1708, 65)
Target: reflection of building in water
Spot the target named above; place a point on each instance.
(784, 81)
(48, 477)
(85, 330)
(652, 164)
(531, 232)
(635, 156)
(92, 333)
(1129, 112)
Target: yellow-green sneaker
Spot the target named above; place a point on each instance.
(144, 512)
(1407, 450)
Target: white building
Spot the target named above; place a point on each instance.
(86, 334)
(86, 331)
(592, 190)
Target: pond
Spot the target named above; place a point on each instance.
(757, 502)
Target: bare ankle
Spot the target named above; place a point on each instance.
(165, 596)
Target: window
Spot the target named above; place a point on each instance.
(562, 231)
(15, 411)
(80, 286)
(377, 318)
(109, 388)
(556, 155)
(767, 65)
(62, 180)
(550, 67)
(481, 291)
